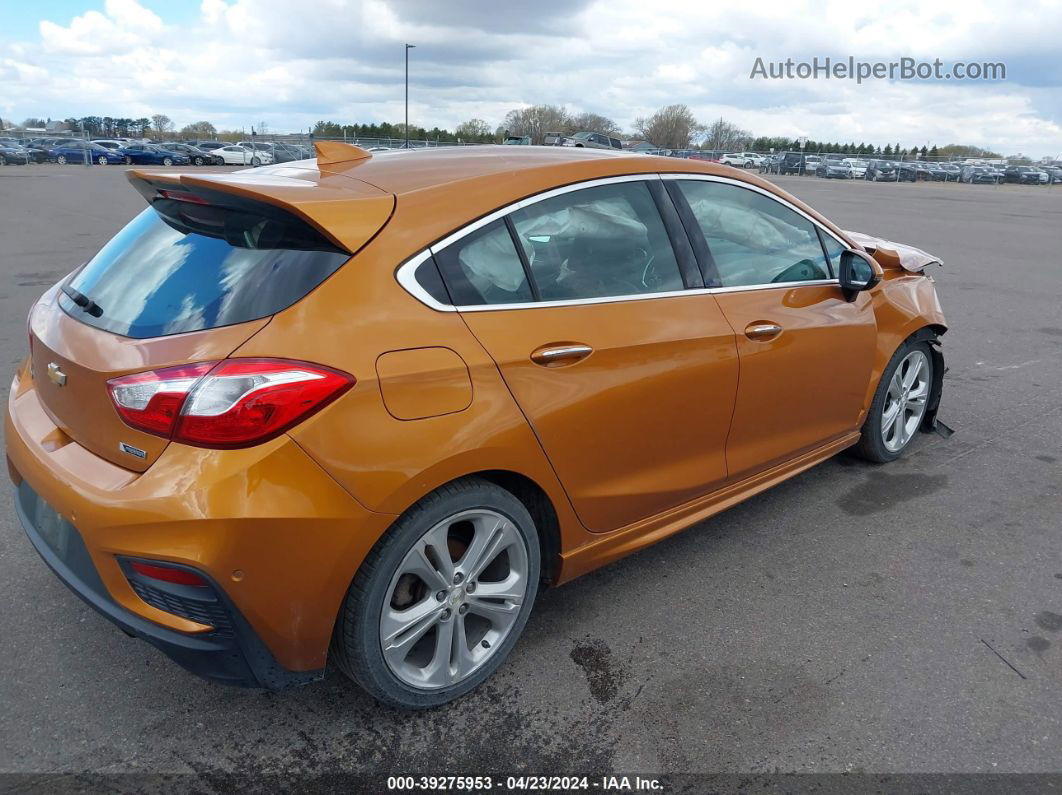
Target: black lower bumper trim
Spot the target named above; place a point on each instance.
(236, 657)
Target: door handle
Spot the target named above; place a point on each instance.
(557, 354)
(762, 331)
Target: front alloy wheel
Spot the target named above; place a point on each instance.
(905, 401)
(102, 160)
(61, 160)
(442, 598)
(899, 405)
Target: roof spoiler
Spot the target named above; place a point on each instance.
(349, 213)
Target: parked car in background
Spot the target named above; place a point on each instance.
(208, 146)
(517, 140)
(111, 143)
(13, 155)
(1054, 173)
(913, 171)
(858, 167)
(153, 155)
(833, 167)
(242, 156)
(195, 155)
(790, 163)
(881, 171)
(742, 159)
(592, 140)
(979, 175)
(1023, 175)
(769, 164)
(811, 163)
(284, 447)
(76, 152)
(36, 153)
(936, 171)
(951, 171)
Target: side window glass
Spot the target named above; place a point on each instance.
(753, 238)
(833, 253)
(484, 268)
(598, 242)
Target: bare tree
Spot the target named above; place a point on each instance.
(199, 128)
(161, 123)
(727, 136)
(671, 127)
(594, 122)
(473, 130)
(536, 121)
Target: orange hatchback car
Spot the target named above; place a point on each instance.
(363, 408)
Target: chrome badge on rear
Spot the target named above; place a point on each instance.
(56, 375)
(128, 448)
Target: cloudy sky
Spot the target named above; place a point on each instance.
(292, 62)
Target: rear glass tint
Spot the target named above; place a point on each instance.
(201, 267)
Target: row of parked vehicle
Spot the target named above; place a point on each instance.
(836, 166)
(113, 151)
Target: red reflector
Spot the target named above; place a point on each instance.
(182, 196)
(168, 574)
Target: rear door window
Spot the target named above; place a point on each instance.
(199, 267)
(598, 242)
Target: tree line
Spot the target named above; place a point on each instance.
(671, 127)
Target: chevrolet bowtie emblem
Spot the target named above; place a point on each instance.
(56, 375)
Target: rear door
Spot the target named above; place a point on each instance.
(805, 352)
(626, 377)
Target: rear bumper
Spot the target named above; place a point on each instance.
(231, 653)
(275, 535)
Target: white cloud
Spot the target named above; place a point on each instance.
(290, 64)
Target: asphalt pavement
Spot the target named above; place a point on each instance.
(902, 618)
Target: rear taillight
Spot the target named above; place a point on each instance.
(231, 403)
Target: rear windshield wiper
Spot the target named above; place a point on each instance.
(82, 300)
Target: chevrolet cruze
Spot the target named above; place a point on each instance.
(362, 408)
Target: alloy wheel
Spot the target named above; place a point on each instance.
(61, 160)
(905, 401)
(454, 599)
(102, 160)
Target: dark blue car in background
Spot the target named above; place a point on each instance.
(75, 153)
(152, 155)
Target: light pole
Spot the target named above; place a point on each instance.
(408, 48)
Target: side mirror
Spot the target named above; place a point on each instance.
(859, 271)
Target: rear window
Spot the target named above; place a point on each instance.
(196, 267)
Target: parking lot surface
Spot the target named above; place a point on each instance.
(897, 618)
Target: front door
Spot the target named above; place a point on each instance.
(627, 379)
(805, 352)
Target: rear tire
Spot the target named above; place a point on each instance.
(423, 665)
(128, 160)
(102, 160)
(899, 404)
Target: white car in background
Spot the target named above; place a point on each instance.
(111, 144)
(858, 167)
(241, 156)
(742, 159)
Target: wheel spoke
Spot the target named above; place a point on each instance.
(914, 369)
(401, 629)
(488, 543)
(461, 660)
(437, 672)
(417, 563)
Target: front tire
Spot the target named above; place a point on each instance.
(167, 161)
(61, 160)
(442, 598)
(256, 162)
(899, 404)
(102, 160)
(199, 161)
(128, 160)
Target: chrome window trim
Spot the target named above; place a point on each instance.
(406, 272)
